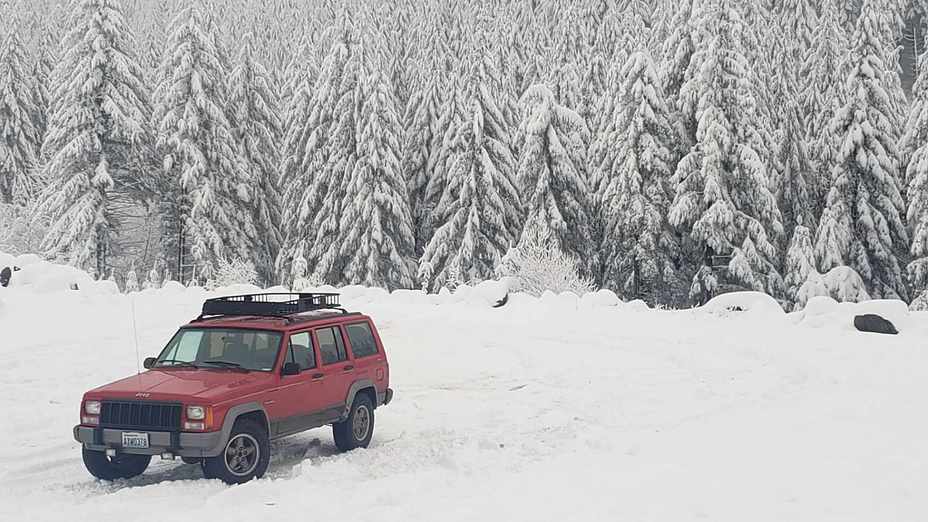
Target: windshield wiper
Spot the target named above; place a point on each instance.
(225, 364)
(175, 363)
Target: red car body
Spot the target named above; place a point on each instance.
(156, 402)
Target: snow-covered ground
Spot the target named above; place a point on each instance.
(552, 409)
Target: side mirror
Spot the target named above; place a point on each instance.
(290, 368)
(149, 362)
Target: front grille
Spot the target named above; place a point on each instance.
(140, 415)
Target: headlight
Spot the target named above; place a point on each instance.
(196, 412)
(92, 407)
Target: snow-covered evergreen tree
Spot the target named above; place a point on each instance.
(375, 240)
(639, 248)
(45, 57)
(257, 127)
(19, 137)
(678, 50)
(862, 225)
(822, 76)
(96, 146)
(916, 142)
(722, 197)
(552, 175)
(132, 280)
(318, 149)
(794, 197)
(800, 261)
(208, 194)
(419, 151)
(478, 214)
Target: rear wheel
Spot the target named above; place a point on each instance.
(123, 465)
(357, 430)
(246, 455)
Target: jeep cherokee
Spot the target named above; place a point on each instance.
(248, 370)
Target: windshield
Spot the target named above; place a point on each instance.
(221, 348)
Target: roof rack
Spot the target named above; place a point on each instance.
(280, 305)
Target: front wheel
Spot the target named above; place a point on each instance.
(246, 455)
(120, 466)
(357, 430)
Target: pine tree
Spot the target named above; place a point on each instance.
(479, 212)
(800, 261)
(96, 143)
(19, 137)
(862, 226)
(43, 64)
(319, 168)
(794, 197)
(422, 133)
(132, 280)
(375, 241)
(207, 191)
(257, 130)
(916, 141)
(552, 175)
(639, 247)
(722, 198)
(822, 76)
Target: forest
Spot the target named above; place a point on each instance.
(669, 150)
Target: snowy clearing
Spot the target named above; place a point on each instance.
(550, 409)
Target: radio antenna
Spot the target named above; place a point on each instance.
(135, 335)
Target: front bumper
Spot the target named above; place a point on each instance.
(207, 444)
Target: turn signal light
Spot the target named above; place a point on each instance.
(90, 419)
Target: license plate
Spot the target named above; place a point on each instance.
(134, 440)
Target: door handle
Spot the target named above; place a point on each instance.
(349, 368)
(318, 376)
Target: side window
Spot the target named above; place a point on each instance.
(361, 339)
(301, 351)
(331, 345)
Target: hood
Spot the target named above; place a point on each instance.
(183, 385)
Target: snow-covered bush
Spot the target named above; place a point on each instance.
(300, 281)
(537, 265)
(235, 272)
(132, 280)
(22, 229)
(841, 283)
(920, 304)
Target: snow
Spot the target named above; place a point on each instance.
(539, 410)
(753, 302)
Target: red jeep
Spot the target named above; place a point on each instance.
(250, 369)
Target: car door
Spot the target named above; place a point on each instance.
(337, 369)
(301, 396)
(368, 361)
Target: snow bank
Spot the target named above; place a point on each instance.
(44, 277)
(755, 303)
(600, 299)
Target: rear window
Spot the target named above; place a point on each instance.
(362, 339)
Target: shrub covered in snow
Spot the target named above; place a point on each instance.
(537, 264)
(235, 272)
(842, 283)
(920, 304)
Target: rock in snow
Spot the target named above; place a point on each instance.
(874, 323)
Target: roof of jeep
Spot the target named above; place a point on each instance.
(282, 324)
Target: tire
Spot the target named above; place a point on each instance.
(357, 430)
(122, 466)
(244, 457)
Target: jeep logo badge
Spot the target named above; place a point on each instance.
(143, 395)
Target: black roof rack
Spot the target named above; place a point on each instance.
(280, 305)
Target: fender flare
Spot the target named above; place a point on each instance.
(233, 414)
(356, 387)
